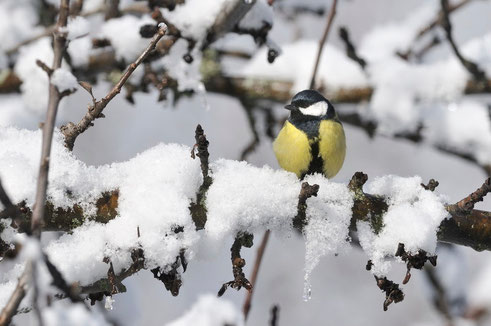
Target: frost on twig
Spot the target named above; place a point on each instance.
(239, 281)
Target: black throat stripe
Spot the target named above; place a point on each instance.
(317, 163)
(308, 126)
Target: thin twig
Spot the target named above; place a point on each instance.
(238, 263)
(15, 299)
(466, 205)
(436, 21)
(59, 46)
(330, 19)
(35, 294)
(71, 130)
(478, 74)
(259, 257)
(274, 315)
(350, 48)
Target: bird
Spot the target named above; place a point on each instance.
(312, 140)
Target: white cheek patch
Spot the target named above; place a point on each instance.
(318, 109)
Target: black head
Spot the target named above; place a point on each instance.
(310, 104)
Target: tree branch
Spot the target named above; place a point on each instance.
(59, 45)
(330, 18)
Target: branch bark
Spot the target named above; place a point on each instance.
(59, 45)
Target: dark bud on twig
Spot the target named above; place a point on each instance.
(188, 58)
(148, 31)
(272, 55)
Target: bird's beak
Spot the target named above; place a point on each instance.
(291, 107)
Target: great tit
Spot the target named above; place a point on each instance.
(312, 139)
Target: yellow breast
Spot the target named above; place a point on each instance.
(332, 146)
(293, 148)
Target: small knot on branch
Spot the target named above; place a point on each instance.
(307, 191)
(357, 181)
(202, 147)
(431, 186)
(198, 209)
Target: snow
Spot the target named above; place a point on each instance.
(9, 281)
(463, 126)
(259, 15)
(62, 313)
(336, 71)
(403, 90)
(412, 218)
(34, 80)
(188, 75)
(196, 16)
(18, 20)
(210, 311)
(124, 34)
(77, 27)
(329, 216)
(108, 304)
(384, 40)
(63, 80)
(248, 198)
(80, 50)
(157, 186)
